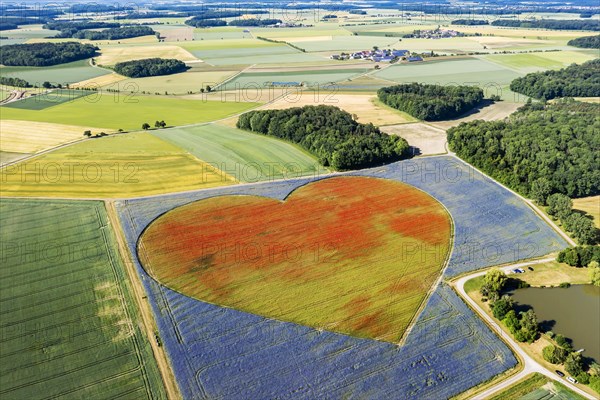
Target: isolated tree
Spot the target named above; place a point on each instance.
(162, 124)
(540, 190)
(145, 126)
(87, 133)
(208, 88)
(46, 85)
(157, 124)
(529, 326)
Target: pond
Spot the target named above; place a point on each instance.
(573, 312)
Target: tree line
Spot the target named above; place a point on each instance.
(205, 23)
(45, 54)
(470, 22)
(327, 132)
(254, 22)
(431, 102)
(558, 24)
(580, 257)
(17, 82)
(560, 206)
(556, 146)
(574, 81)
(586, 42)
(68, 28)
(150, 67)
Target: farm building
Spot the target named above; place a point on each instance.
(414, 58)
(399, 53)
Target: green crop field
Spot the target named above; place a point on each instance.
(252, 54)
(69, 325)
(540, 61)
(492, 77)
(129, 111)
(246, 156)
(309, 77)
(537, 387)
(63, 73)
(128, 165)
(46, 100)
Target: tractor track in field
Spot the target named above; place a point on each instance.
(146, 313)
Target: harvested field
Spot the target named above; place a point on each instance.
(110, 55)
(31, 137)
(589, 205)
(366, 107)
(423, 138)
(493, 112)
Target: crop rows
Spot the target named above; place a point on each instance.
(68, 327)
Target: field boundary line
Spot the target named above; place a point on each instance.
(139, 294)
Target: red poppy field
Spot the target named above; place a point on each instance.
(353, 255)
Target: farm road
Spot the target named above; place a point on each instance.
(529, 364)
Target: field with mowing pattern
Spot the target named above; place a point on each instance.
(310, 78)
(589, 205)
(129, 111)
(540, 61)
(238, 52)
(31, 137)
(133, 164)
(246, 156)
(70, 328)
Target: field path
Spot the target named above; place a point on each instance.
(144, 307)
(529, 364)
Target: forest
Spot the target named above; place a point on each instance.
(149, 67)
(431, 102)
(254, 22)
(124, 32)
(45, 54)
(574, 81)
(68, 29)
(554, 147)
(559, 24)
(204, 23)
(586, 42)
(327, 132)
(469, 22)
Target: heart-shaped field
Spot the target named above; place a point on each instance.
(354, 255)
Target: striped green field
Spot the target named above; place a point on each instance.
(69, 325)
(246, 156)
(72, 72)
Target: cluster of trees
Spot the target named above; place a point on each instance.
(559, 24)
(329, 133)
(45, 54)
(204, 23)
(151, 14)
(470, 22)
(254, 22)
(555, 146)
(580, 256)
(576, 365)
(157, 125)
(115, 33)
(431, 102)
(68, 29)
(574, 81)
(560, 207)
(586, 42)
(524, 325)
(13, 22)
(150, 67)
(17, 82)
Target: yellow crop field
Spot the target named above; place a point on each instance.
(126, 165)
(110, 55)
(31, 137)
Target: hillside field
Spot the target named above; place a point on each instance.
(129, 111)
(70, 328)
(248, 157)
(133, 164)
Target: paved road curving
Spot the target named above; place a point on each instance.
(529, 364)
